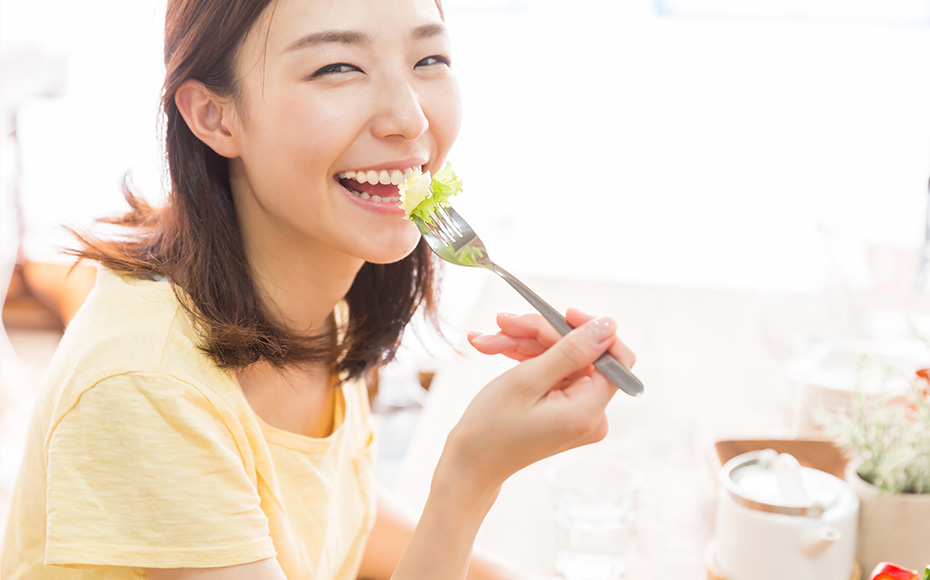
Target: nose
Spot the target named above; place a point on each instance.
(401, 113)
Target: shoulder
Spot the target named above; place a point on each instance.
(126, 321)
(133, 333)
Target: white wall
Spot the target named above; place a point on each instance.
(698, 151)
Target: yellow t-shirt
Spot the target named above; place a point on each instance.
(142, 453)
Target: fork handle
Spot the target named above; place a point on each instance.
(609, 366)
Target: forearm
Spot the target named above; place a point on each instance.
(392, 533)
(442, 543)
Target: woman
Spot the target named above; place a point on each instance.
(204, 416)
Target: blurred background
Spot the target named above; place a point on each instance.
(696, 142)
(769, 148)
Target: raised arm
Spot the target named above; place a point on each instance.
(545, 405)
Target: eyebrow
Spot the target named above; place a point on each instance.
(353, 37)
(428, 31)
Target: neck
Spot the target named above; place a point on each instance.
(300, 280)
(302, 293)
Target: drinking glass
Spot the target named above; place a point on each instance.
(595, 514)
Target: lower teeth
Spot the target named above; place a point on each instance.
(375, 198)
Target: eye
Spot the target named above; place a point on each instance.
(434, 60)
(337, 68)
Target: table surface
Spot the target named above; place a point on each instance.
(714, 366)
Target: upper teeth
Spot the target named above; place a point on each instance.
(384, 177)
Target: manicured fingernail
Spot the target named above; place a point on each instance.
(475, 336)
(507, 315)
(601, 329)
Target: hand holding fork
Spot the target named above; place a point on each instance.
(452, 239)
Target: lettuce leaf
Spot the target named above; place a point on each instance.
(422, 194)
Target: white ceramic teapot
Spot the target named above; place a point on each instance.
(778, 520)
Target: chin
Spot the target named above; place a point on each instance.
(395, 251)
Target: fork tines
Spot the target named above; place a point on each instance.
(446, 227)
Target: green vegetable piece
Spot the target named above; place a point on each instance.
(421, 195)
(468, 256)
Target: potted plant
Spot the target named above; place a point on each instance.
(887, 439)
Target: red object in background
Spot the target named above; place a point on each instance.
(922, 384)
(924, 374)
(886, 571)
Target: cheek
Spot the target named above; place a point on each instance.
(297, 131)
(448, 117)
(309, 132)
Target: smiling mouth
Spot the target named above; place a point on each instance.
(378, 186)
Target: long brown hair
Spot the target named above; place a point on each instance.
(194, 239)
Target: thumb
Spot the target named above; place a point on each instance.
(573, 352)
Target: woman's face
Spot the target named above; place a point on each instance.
(338, 97)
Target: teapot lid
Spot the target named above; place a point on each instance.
(777, 483)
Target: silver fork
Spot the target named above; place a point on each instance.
(453, 240)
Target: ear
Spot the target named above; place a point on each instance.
(206, 115)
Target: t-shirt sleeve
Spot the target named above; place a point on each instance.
(143, 471)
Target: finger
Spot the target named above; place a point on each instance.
(592, 392)
(574, 352)
(516, 349)
(516, 355)
(576, 317)
(622, 353)
(535, 326)
(618, 349)
(527, 326)
(587, 398)
(491, 343)
(575, 376)
(512, 320)
(500, 343)
(528, 347)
